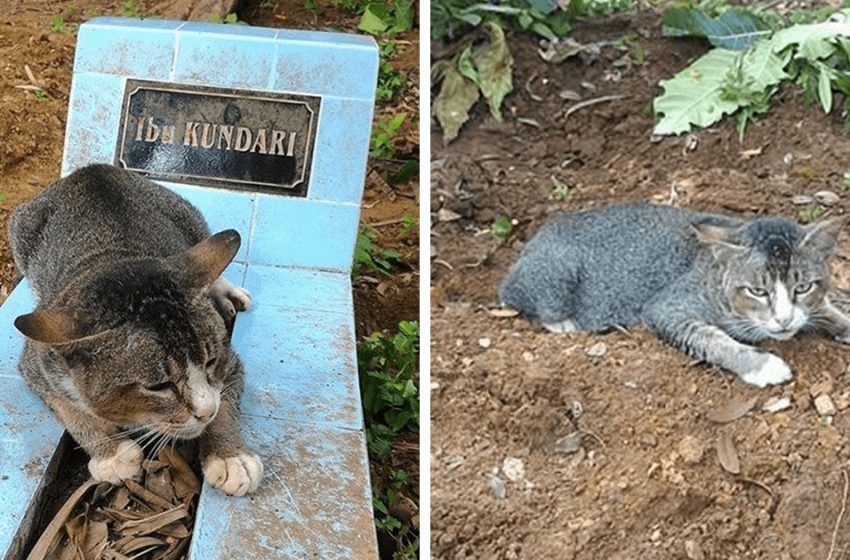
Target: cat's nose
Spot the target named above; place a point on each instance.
(204, 416)
(785, 322)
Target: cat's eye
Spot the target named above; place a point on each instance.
(803, 289)
(211, 363)
(756, 292)
(160, 387)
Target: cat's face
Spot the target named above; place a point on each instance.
(775, 274)
(143, 345)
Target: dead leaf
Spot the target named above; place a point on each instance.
(727, 454)
(731, 410)
(138, 543)
(45, 543)
(157, 502)
(185, 480)
(154, 522)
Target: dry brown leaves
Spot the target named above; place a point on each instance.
(151, 519)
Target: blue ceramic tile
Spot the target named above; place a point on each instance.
(139, 51)
(303, 233)
(223, 60)
(342, 146)
(325, 39)
(298, 288)
(19, 302)
(314, 500)
(222, 209)
(228, 31)
(299, 365)
(93, 116)
(132, 25)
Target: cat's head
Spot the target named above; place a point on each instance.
(142, 343)
(775, 272)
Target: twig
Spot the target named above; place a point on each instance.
(590, 102)
(840, 515)
(386, 223)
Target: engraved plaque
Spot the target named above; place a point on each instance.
(226, 138)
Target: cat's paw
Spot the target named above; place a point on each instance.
(124, 465)
(565, 326)
(231, 299)
(237, 475)
(772, 371)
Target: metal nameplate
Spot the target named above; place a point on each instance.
(219, 137)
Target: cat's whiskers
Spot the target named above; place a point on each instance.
(123, 434)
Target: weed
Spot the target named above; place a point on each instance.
(385, 501)
(390, 82)
(387, 367)
(313, 7)
(130, 8)
(808, 173)
(3, 197)
(811, 212)
(268, 4)
(408, 225)
(383, 136)
(379, 18)
(41, 95)
(58, 24)
(230, 18)
(409, 169)
(351, 5)
(560, 191)
(502, 228)
(369, 255)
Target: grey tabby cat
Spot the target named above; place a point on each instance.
(709, 284)
(129, 337)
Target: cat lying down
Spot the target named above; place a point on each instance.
(709, 284)
(129, 340)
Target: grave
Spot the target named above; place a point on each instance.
(265, 131)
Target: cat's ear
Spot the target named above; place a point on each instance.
(50, 326)
(823, 236)
(719, 238)
(205, 262)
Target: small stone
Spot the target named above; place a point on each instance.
(777, 404)
(655, 536)
(446, 215)
(802, 200)
(597, 350)
(513, 469)
(824, 387)
(649, 440)
(528, 356)
(691, 449)
(842, 401)
(484, 342)
(827, 198)
(575, 410)
(693, 550)
(497, 486)
(568, 444)
(788, 158)
(824, 405)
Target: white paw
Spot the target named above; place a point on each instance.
(231, 298)
(237, 475)
(772, 372)
(239, 297)
(125, 464)
(565, 326)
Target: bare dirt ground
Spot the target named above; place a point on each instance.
(646, 482)
(34, 52)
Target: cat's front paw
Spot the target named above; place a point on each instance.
(237, 475)
(772, 371)
(125, 464)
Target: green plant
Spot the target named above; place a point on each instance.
(230, 18)
(3, 197)
(40, 95)
(383, 136)
(268, 4)
(560, 191)
(387, 367)
(408, 225)
(379, 18)
(313, 6)
(369, 255)
(385, 501)
(390, 82)
(815, 56)
(502, 228)
(58, 24)
(351, 5)
(130, 8)
(811, 212)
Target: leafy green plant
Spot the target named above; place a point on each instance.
(484, 69)
(560, 191)
(351, 5)
(390, 82)
(811, 212)
(815, 56)
(58, 24)
(387, 367)
(231, 18)
(383, 136)
(268, 4)
(3, 197)
(369, 255)
(502, 228)
(408, 225)
(313, 7)
(40, 95)
(379, 18)
(385, 501)
(130, 8)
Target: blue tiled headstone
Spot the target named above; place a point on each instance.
(301, 408)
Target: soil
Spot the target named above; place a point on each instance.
(645, 481)
(32, 127)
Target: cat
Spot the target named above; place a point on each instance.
(129, 340)
(709, 284)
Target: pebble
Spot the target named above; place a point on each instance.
(691, 449)
(842, 401)
(528, 356)
(824, 405)
(497, 486)
(827, 198)
(513, 468)
(777, 404)
(597, 350)
(824, 387)
(693, 550)
(801, 200)
(446, 215)
(570, 443)
(484, 342)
